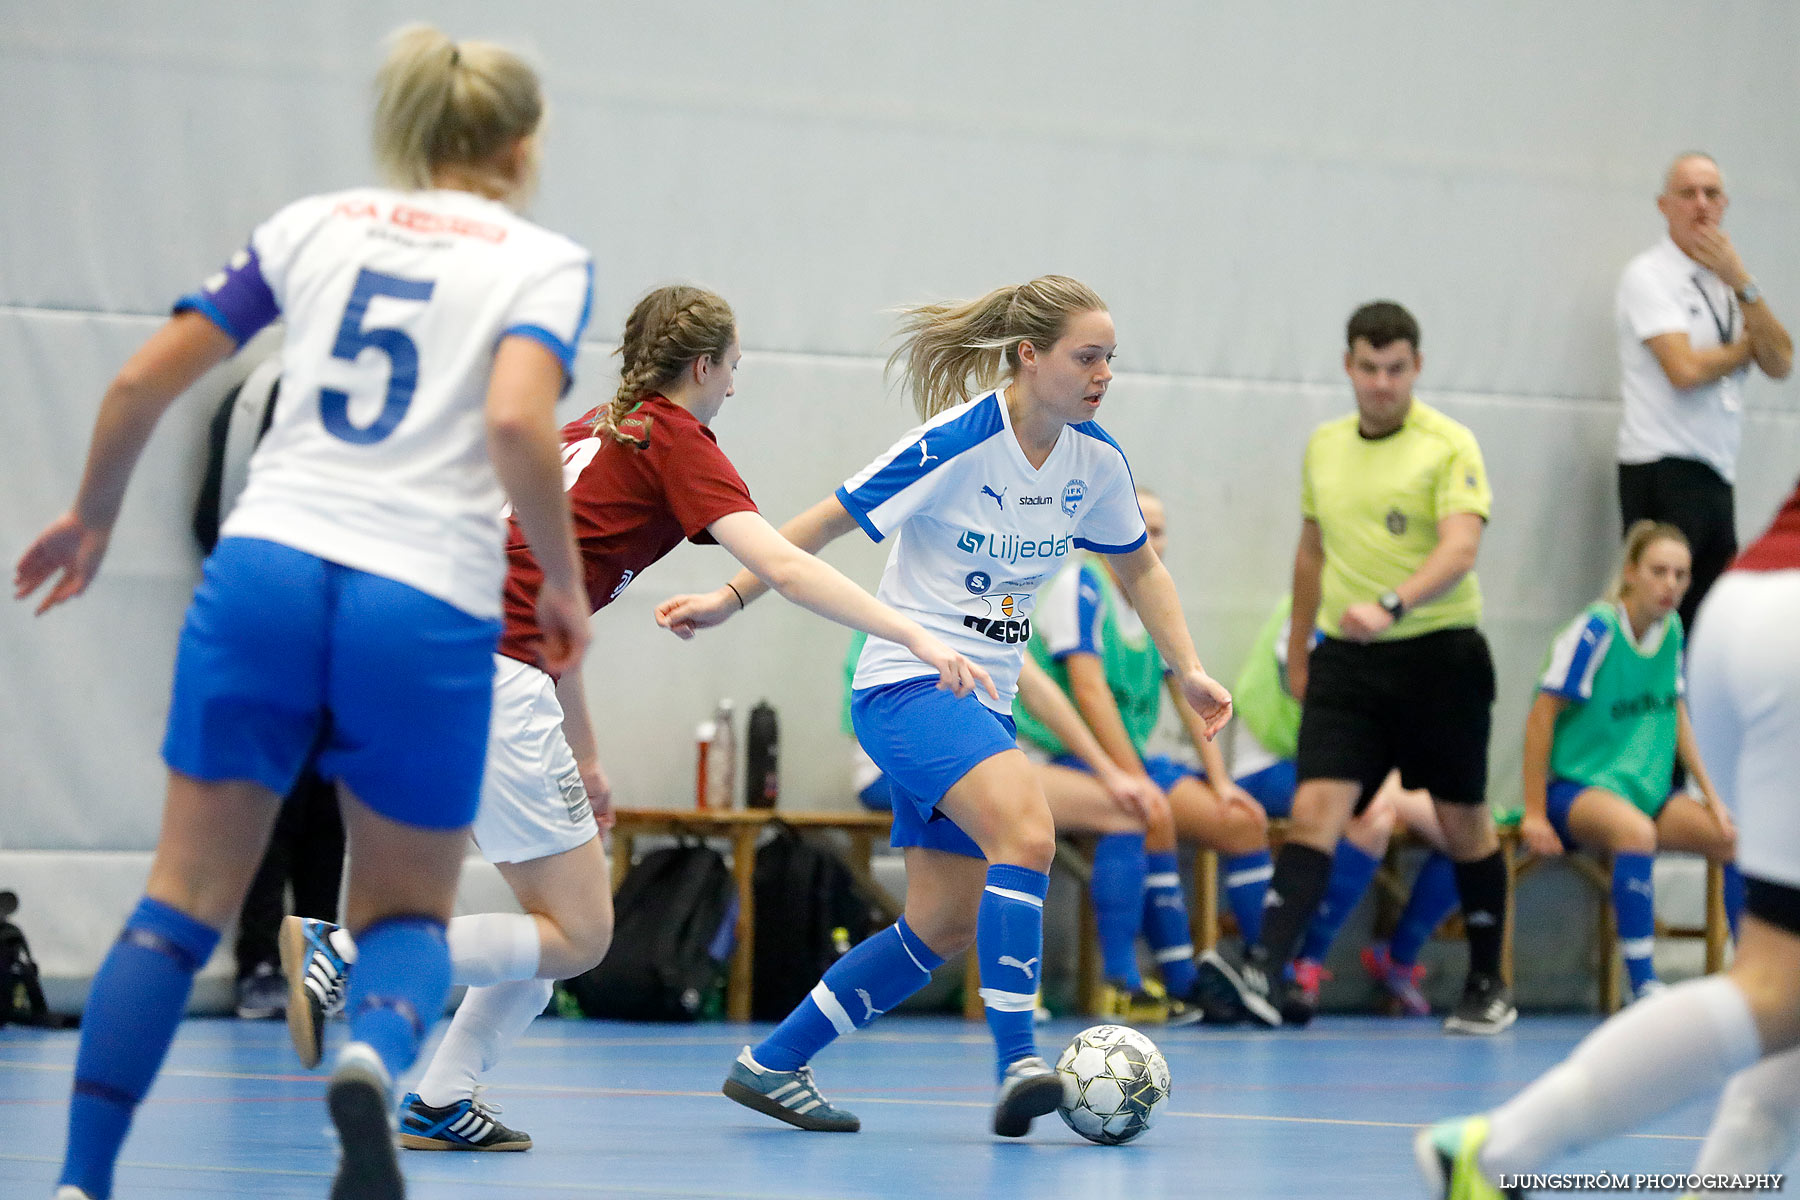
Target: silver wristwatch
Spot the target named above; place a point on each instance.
(1394, 606)
(1749, 293)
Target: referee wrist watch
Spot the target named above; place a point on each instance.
(1749, 293)
(1392, 604)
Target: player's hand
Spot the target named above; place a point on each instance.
(687, 614)
(1722, 815)
(1539, 836)
(1137, 795)
(562, 616)
(1294, 678)
(1714, 251)
(1364, 622)
(68, 546)
(956, 674)
(599, 792)
(1208, 698)
(1230, 793)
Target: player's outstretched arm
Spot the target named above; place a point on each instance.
(811, 531)
(819, 587)
(1152, 593)
(526, 450)
(185, 348)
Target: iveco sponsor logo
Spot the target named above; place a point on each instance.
(1030, 501)
(1010, 547)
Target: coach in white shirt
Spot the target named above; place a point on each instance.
(1690, 322)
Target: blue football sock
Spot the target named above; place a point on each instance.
(136, 1001)
(1634, 900)
(1246, 884)
(873, 977)
(398, 988)
(1009, 939)
(1352, 869)
(1118, 891)
(1734, 897)
(1166, 922)
(1434, 897)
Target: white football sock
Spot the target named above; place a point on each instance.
(488, 1021)
(1646, 1060)
(490, 948)
(1757, 1127)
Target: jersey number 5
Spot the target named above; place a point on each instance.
(402, 355)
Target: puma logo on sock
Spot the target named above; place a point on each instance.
(1029, 966)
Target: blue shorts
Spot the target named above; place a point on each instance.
(924, 740)
(1559, 798)
(1164, 772)
(1273, 787)
(285, 656)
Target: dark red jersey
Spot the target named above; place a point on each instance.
(1778, 549)
(632, 502)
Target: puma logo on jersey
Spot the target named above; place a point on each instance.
(868, 1004)
(1642, 886)
(1029, 966)
(924, 455)
(999, 496)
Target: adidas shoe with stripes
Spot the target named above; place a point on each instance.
(789, 1096)
(469, 1124)
(316, 974)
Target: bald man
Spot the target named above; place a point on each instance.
(1691, 323)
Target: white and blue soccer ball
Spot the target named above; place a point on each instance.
(1113, 1079)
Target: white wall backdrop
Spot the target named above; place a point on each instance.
(1233, 178)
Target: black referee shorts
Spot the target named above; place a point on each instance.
(1423, 704)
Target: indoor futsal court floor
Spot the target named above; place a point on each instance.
(634, 1110)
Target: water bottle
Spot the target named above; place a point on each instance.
(721, 774)
(762, 778)
(704, 736)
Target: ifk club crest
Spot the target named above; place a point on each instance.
(1073, 494)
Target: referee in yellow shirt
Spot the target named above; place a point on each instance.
(1394, 499)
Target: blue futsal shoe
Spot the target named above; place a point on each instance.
(316, 974)
(468, 1124)
(789, 1096)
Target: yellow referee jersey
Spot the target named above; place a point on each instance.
(1378, 503)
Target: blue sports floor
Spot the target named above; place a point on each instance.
(633, 1110)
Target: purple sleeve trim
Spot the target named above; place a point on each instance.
(237, 299)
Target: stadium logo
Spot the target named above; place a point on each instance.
(1072, 496)
(978, 582)
(1029, 501)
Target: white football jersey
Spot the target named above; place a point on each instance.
(977, 531)
(394, 303)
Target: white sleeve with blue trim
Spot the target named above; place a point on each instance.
(1111, 523)
(1575, 658)
(1068, 616)
(554, 307)
(890, 490)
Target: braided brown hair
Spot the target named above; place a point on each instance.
(666, 332)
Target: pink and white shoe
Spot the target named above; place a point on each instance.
(1402, 982)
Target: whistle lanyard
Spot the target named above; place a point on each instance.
(1726, 327)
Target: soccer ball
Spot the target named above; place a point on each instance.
(1113, 1079)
